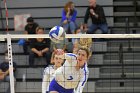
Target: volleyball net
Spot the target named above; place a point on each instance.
(114, 64)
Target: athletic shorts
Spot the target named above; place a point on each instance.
(54, 86)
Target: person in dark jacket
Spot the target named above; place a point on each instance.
(96, 13)
(30, 28)
(40, 47)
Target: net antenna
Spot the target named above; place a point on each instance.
(10, 57)
(9, 46)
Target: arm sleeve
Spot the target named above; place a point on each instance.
(48, 43)
(32, 43)
(86, 16)
(45, 81)
(63, 15)
(73, 18)
(101, 13)
(82, 82)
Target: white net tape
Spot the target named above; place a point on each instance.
(77, 36)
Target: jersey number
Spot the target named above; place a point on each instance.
(70, 78)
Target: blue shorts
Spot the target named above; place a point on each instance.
(54, 86)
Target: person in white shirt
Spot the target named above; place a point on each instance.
(49, 71)
(72, 76)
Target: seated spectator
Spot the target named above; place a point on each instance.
(4, 71)
(96, 13)
(40, 47)
(82, 42)
(87, 42)
(69, 14)
(30, 28)
(61, 45)
(80, 30)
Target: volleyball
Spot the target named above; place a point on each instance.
(57, 33)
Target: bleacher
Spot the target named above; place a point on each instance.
(104, 66)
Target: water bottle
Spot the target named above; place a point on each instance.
(24, 77)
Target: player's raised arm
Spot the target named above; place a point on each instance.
(70, 59)
(70, 56)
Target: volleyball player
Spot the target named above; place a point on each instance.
(49, 71)
(73, 74)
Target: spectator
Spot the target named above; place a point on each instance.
(69, 14)
(48, 75)
(61, 45)
(40, 47)
(4, 71)
(30, 28)
(82, 41)
(80, 30)
(97, 15)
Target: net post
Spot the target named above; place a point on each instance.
(9, 46)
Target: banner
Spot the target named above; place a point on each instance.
(20, 21)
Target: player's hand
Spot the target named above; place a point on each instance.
(68, 11)
(65, 21)
(59, 52)
(92, 11)
(75, 50)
